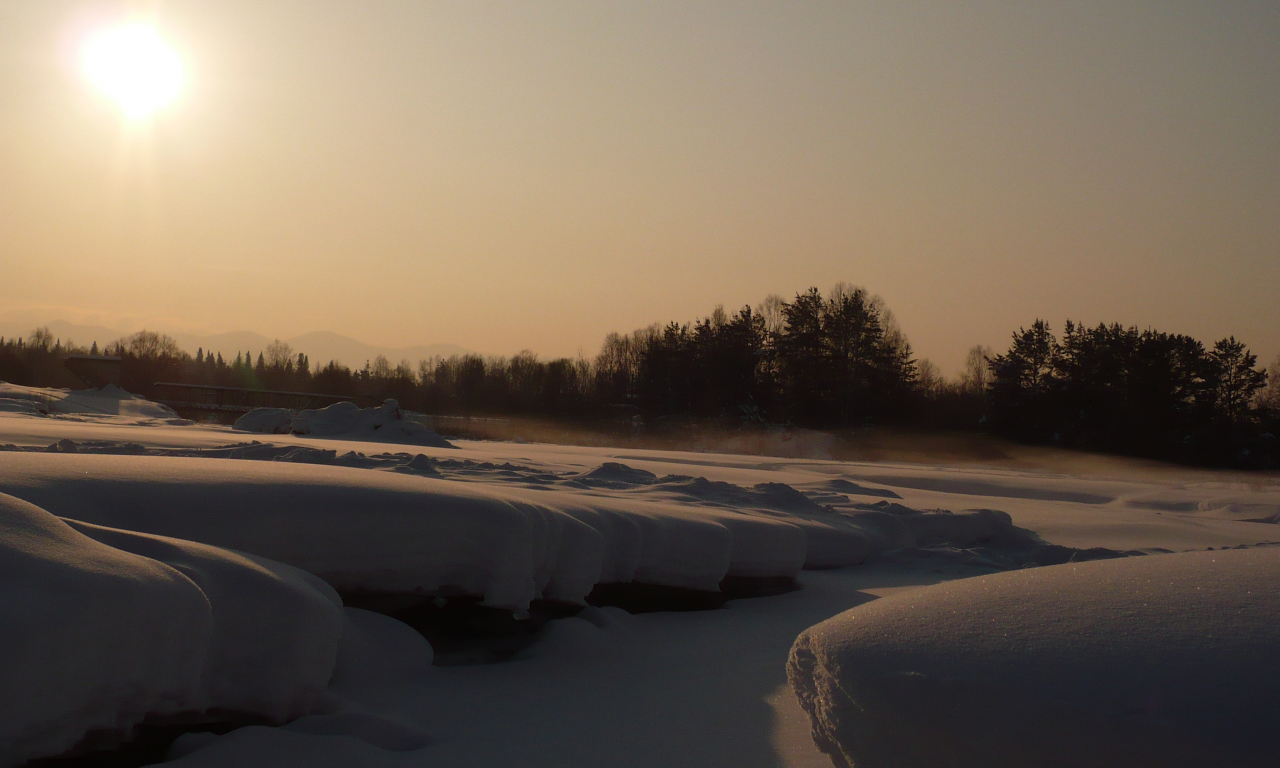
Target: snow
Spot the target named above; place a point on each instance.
(377, 650)
(108, 404)
(339, 741)
(1167, 660)
(103, 637)
(344, 420)
(359, 530)
(275, 630)
(677, 690)
(112, 627)
(20, 405)
(508, 523)
(1093, 503)
(508, 542)
(266, 421)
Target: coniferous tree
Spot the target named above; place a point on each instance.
(1023, 381)
(802, 357)
(1236, 379)
(1119, 389)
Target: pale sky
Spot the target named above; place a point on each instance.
(534, 175)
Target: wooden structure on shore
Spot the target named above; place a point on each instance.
(95, 370)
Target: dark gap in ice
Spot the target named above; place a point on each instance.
(462, 631)
(1272, 520)
(147, 743)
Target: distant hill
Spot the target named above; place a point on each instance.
(319, 346)
(226, 343)
(323, 346)
(80, 334)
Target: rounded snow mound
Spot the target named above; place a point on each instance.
(615, 473)
(1171, 660)
(344, 420)
(104, 628)
(110, 402)
(266, 421)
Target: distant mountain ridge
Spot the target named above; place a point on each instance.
(319, 346)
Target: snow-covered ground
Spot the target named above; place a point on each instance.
(510, 524)
(1161, 661)
(109, 405)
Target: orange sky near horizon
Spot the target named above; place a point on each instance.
(506, 176)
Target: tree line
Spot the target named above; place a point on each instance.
(1138, 392)
(825, 361)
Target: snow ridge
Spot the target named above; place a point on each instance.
(112, 627)
(418, 530)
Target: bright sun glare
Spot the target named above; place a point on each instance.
(134, 67)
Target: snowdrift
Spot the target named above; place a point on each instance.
(105, 628)
(356, 529)
(1169, 660)
(345, 420)
(110, 404)
(368, 531)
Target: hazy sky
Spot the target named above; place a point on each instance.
(534, 175)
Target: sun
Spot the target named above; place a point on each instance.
(134, 67)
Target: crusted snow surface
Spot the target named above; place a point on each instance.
(1171, 660)
(418, 532)
(103, 628)
(344, 420)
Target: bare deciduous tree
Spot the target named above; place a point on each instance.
(149, 345)
(929, 378)
(279, 354)
(40, 338)
(977, 373)
(771, 310)
(1269, 397)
